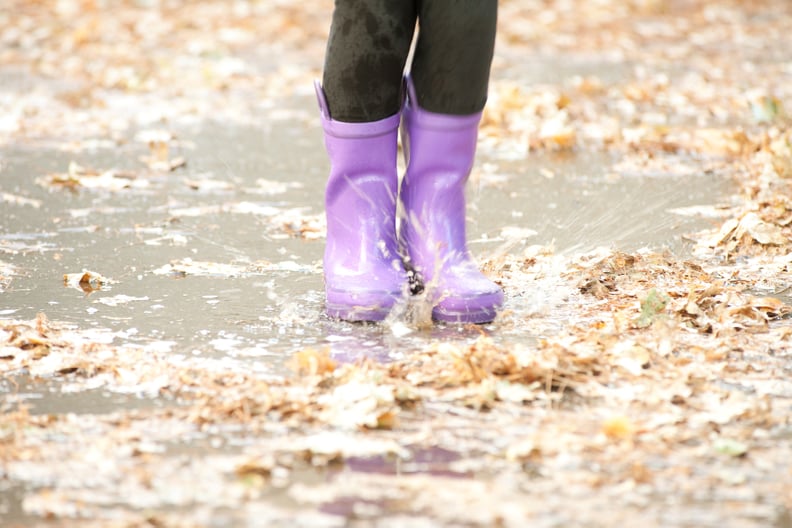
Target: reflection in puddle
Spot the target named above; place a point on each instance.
(432, 461)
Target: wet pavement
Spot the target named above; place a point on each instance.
(246, 292)
(268, 301)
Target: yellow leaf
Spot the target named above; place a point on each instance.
(618, 428)
(311, 362)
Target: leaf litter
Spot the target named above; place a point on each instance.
(656, 390)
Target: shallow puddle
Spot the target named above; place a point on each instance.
(204, 260)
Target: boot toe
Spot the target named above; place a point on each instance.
(360, 305)
(363, 298)
(476, 306)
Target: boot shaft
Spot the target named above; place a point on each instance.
(440, 144)
(358, 151)
(440, 150)
(362, 266)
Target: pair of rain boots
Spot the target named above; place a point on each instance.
(365, 257)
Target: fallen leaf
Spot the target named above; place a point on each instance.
(311, 362)
(86, 281)
(730, 447)
(652, 307)
(618, 428)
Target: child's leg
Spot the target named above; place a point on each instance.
(366, 53)
(360, 105)
(452, 59)
(445, 97)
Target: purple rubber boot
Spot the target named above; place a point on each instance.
(439, 150)
(363, 271)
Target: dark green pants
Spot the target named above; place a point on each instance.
(369, 44)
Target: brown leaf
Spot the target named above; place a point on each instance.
(86, 281)
(312, 362)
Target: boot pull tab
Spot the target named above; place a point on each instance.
(322, 99)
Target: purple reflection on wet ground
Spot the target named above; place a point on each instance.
(430, 461)
(434, 461)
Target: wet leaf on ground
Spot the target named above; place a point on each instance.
(86, 281)
(78, 176)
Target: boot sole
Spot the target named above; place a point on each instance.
(476, 310)
(357, 314)
(478, 317)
